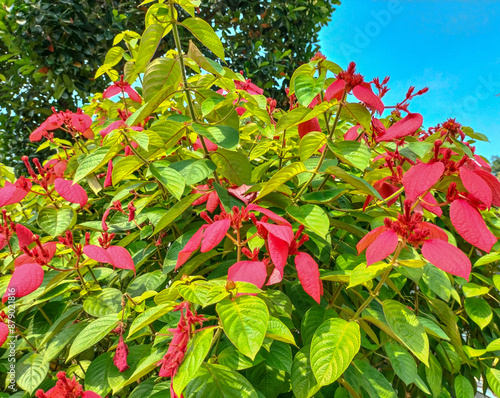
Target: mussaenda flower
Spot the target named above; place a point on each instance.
(121, 86)
(410, 229)
(66, 388)
(350, 81)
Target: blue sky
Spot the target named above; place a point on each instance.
(453, 47)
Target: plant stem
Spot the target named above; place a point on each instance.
(323, 155)
(186, 85)
(380, 284)
(283, 143)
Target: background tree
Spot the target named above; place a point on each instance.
(495, 165)
(50, 51)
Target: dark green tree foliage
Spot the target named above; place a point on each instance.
(49, 53)
(51, 49)
(495, 165)
(268, 40)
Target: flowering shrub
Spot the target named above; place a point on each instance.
(190, 238)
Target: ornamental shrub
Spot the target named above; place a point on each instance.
(190, 237)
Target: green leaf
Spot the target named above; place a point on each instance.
(320, 197)
(93, 161)
(244, 321)
(300, 115)
(196, 352)
(402, 362)
(354, 153)
(493, 378)
(69, 315)
(106, 302)
(94, 332)
(194, 170)
(282, 176)
(312, 217)
(113, 56)
(472, 290)
(169, 178)
(438, 281)
(277, 330)
(304, 384)
(234, 359)
(124, 167)
(149, 316)
(223, 136)
(313, 317)
(219, 381)
(353, 180)
(374, 381)
(463, 388)
(195, 292)
(479, 311)
(434, 375)
(163, 74)
(205, 34)
(306, 89)
(145, 282)
(311, 143)
(404, 323)
(61, 341)
(279, 356)
(494, 345)
(358, 114)
(147, 48)
(333, 346)
(433, 328)
(233, 165)
(31, 371)
(227, 200)
(56, 221)
(362, 274)
(175, 211)
(96, 377)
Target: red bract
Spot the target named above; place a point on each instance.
(470, 225)
(14, 193)
(121, 86)
(71, 192)
(385, 189)
(421, 177)
(73, 123)
(117, 256)
(177, 348)
(309, 126)
(483, 186)
(402, 128)
(66, 388)
(308, 273)
(24, 235)
(209, 197)
(348, 81)
(25, 280)
(121, 353)
(211, 147)
(108, 180)
(353, 133)
(208, 236)
(248, 86)
(40, 254)
(4, 333)
(410, 229)
(248, 271)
